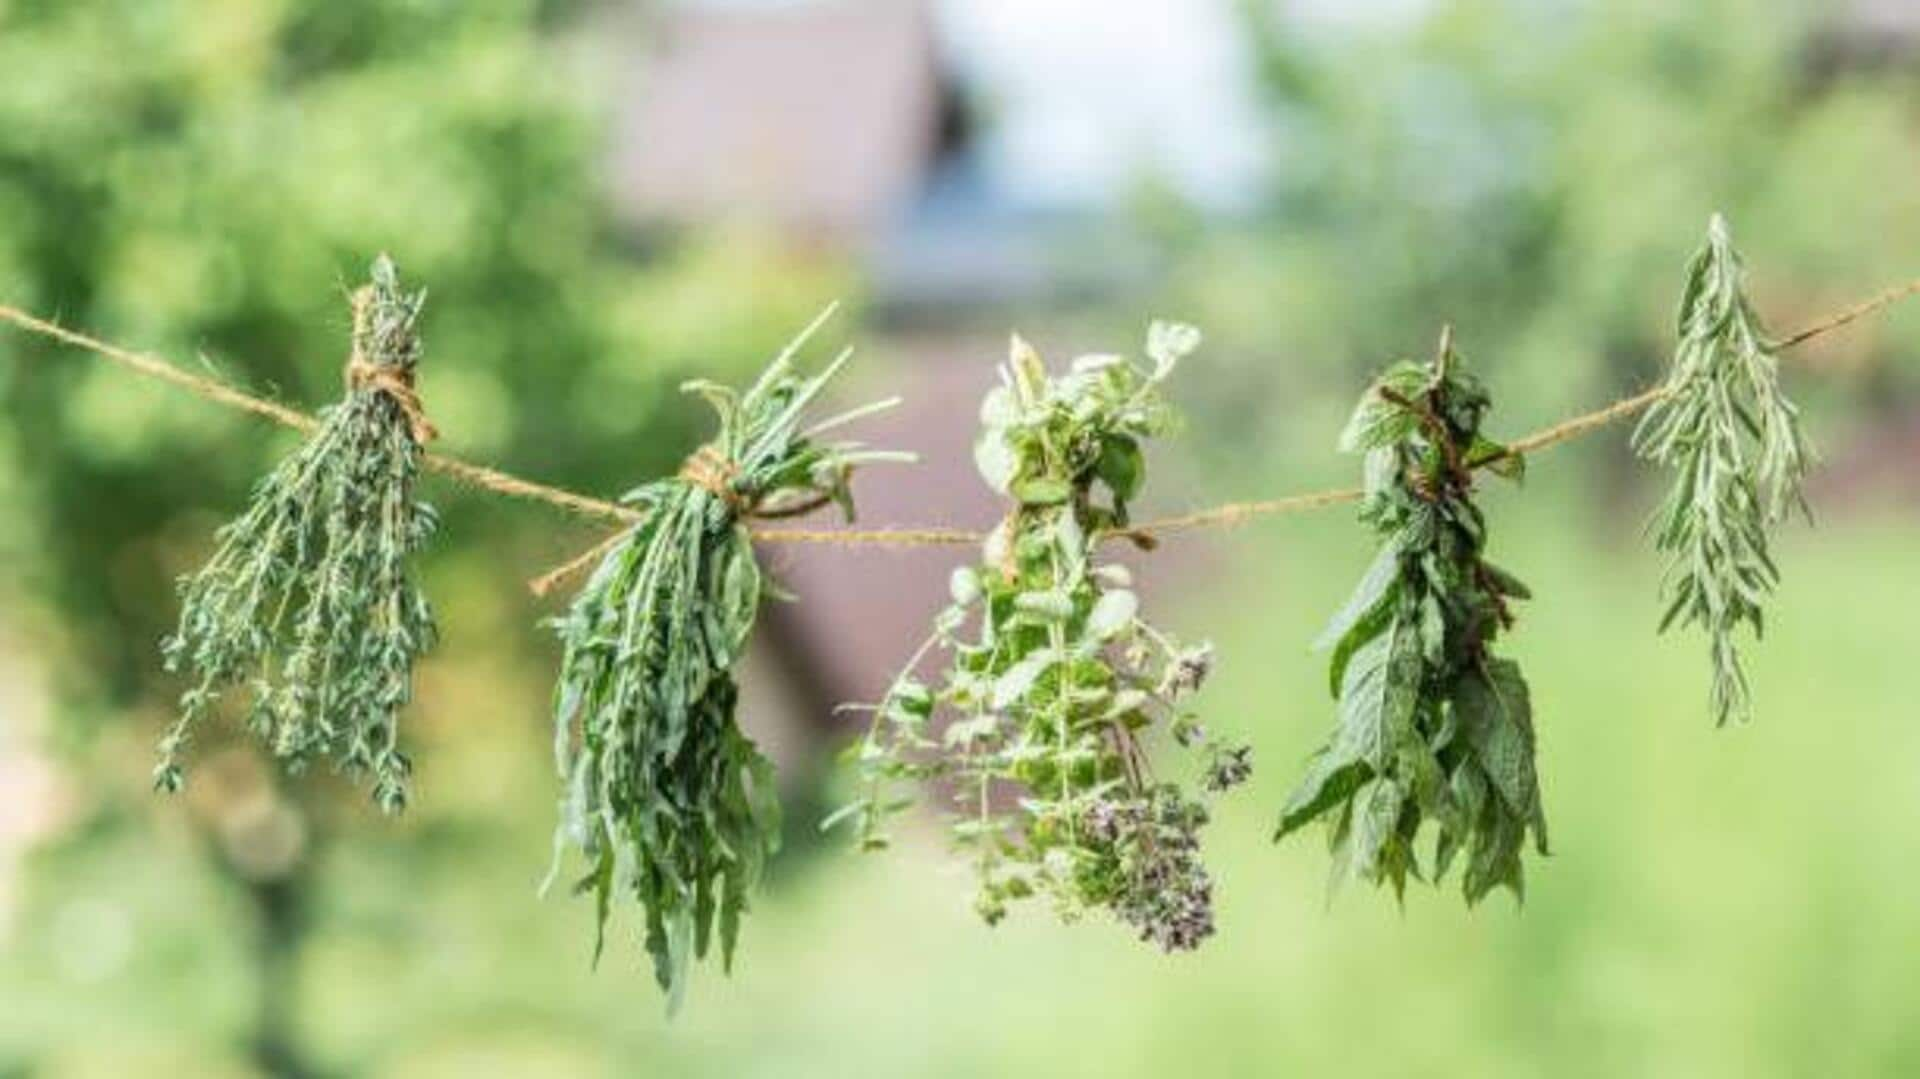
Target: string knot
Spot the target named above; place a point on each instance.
(397, 384)
(714, 472)
(395, 381)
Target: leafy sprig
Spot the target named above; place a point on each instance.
(308, 600)
(1056, 683)
(1432, 725)
(665, 797)
(1733, 441)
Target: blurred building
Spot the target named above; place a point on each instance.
(818, 118)
(972, 155)
(954, 144)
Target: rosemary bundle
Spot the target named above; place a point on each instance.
(665, 797)
(308, 599)
(1055, 680)
(1432, 725)
(1732, 438)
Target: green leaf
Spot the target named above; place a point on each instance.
(1122, 466)
(997, 462)
(963, 585)
(1376, 820)
(1378, 422)
(1041, 490)
(1019, 678)
(1381, 692)
(1170, 342)
(1051, 606)
(1333, 774)
(1376, 588)
(1496, 715)
(1112, 614)
(1506, 583)
(1497, 459)
(1368, 629)
(1378, 696)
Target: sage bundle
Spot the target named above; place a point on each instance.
(308, 600)
(1432, 725)
(665, 797)
(1733, 441)
(1056, 682)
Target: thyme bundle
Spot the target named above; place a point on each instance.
(1732, 438)
(1432, 725)
(1059, 681)
(666, 798)
(308, 599)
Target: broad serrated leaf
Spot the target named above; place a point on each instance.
(1378, 422)
(1375, 588)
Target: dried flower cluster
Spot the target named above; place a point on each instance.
(1432, 725)
(665, 797)
(1733, 441)
(308, 601)
(1055, 681)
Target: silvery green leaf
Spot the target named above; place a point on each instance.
(999, 409)
(964, 585)
(1732, 439)
(1051, 606)
(1054, 792)
(1040, 490)
(1094, 363)
(1112, 614)
(1011, 686)
(1170, 342)
(996, 460)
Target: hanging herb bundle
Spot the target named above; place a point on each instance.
(666, 798)
(1432, 725)
(1056, 681)
(1733, 441)
(308, 600)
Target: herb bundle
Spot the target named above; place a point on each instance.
(308, 599)
(1432, 725)
(666, 798)
(1733, 440)
(1060, 681)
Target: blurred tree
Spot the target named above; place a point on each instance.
(207, 177)
(1537, 176)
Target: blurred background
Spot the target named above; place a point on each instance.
(607, 197)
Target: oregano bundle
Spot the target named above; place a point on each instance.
(1433, 726)
(309, 601)
(1732, 438)
(667, 799)
(1056, 683)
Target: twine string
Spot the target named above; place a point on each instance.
(709, 470)
(397, 384)
(394, 381)
(714, 472)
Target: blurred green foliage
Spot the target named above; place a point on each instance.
(207, 177)
(203, 178)
(1536, 173)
